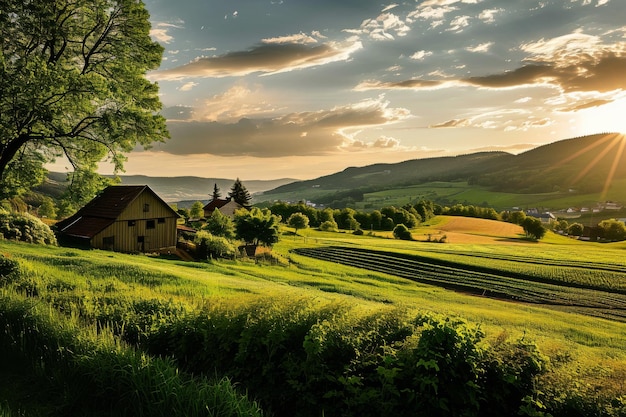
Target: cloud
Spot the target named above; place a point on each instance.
(586, 105)
(483, 47)
(599, 73)
(160, 33)
(188, 86)
(271, 58)
(431, 13)
(299, 38)
(489, 15)
(419, 55)
(458, 24)
(406, 84)
(381, 28)
(305, 133)
(451, 123)
(237, 102)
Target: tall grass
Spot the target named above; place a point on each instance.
(258, 326)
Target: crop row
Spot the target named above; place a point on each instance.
(577, 273)
(562, 262)
(479, 281)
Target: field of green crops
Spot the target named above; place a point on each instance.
(332, 332)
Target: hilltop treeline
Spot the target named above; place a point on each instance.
(387, 218)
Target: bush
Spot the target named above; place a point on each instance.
(26, 228)
(307, 360)
(358, 232)
(329, 226)
(402, 232)
(209, 246)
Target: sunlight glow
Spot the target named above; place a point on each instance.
(608, 118)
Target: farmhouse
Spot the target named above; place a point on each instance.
(227, 207)
(129, 218)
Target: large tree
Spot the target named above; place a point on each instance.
(73, 85)
(257, 227)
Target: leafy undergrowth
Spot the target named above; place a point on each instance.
(109, 334)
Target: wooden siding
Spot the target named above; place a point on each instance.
(126, 237)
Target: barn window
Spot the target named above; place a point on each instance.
(146, 207)
(161, 220)
(108, 241)
(131, 223)
(150, 224)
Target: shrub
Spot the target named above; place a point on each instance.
(358, 232)
(402, 232)
(26, 228)
(209, 246)
(329, 226)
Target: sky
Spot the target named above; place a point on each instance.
(267, 89)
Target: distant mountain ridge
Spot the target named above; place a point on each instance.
(174, 189)
(583, 163)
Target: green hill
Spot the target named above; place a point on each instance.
(575, 171)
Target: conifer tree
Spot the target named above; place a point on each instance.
(216, 192)
(240, 194)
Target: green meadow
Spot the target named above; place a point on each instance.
(461, 192)
(158, 336)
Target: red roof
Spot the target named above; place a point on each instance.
(102, 211)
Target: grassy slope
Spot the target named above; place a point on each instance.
(595, 346)
(461, 192)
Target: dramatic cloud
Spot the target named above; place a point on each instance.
(305, 133)
(269, 58)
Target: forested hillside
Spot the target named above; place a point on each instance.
(584, 164)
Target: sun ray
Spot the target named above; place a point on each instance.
(616, 161)
(582, 151)
(595, 160)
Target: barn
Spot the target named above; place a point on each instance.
(124, 218)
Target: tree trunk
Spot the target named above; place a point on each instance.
(8, 152)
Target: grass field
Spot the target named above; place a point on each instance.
(112, 289)
(462, 192)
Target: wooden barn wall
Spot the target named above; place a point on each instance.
(126, 236)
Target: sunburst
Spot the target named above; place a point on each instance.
(610, 142)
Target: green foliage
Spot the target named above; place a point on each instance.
(533, 228)
(471, 211)
(240, 194)
(216, 194)
(257, 226)
(402, 232)
(197, 210)
(613, 230)
(26, 228)
(220, 225)
(306, 360)
(517, 217)
(47, 209)
(83, 371)
(72, 76)
(575, 229)
(209, 246)
(84, 185)
(329, 226)
(298, 221)
(22, 174)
